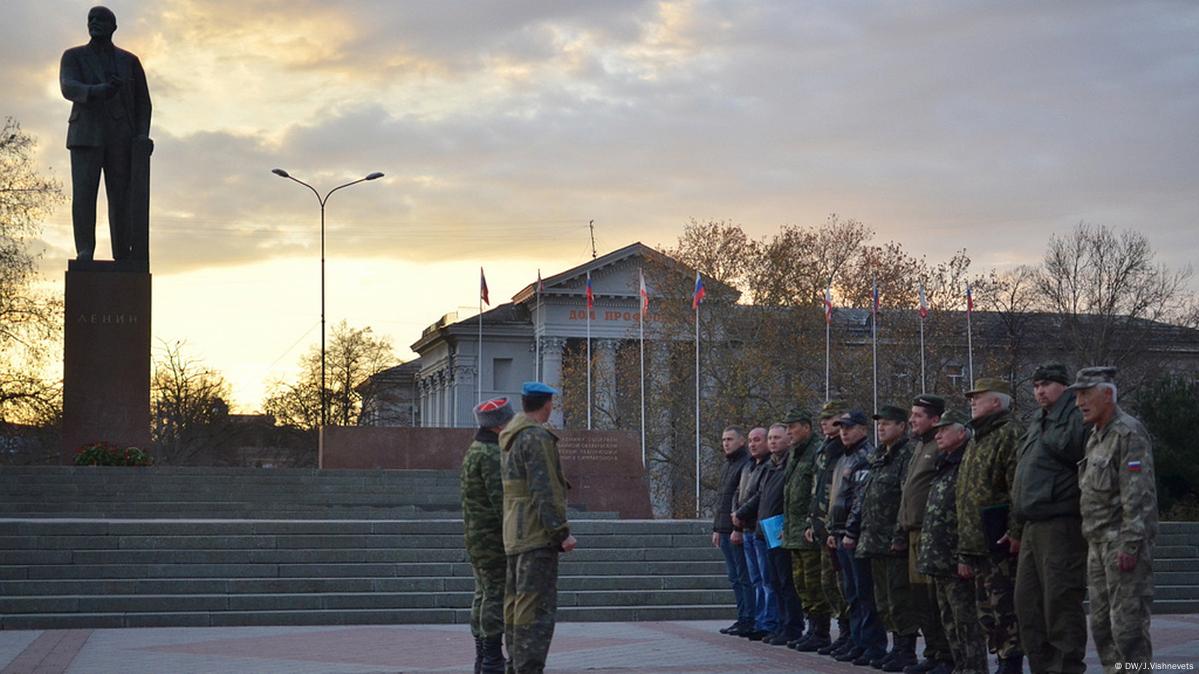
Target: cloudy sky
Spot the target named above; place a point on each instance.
(503, 127)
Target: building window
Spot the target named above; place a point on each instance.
(501, 374)
(957, 378)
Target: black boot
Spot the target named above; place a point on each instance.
(925, 665)
(849, 654)
(493, 656)
(805, 636)
(842, 639)
(886, 656)
(1013, 664)
(478, 654)
(819, 637)
(905, 654)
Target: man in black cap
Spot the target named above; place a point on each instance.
(871, 531)
(923, 417)
(868, 641)
(483, 527)
(1046, 529)
(728, 537)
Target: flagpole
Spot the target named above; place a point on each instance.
(922, 385)
(479, 378)
(589, 352)
(697, 409)
(641, 329)
(969, 336)
(537, 332)
(828, 323)
(874, 339)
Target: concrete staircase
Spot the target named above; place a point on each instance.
(112, 547)
(60, 573)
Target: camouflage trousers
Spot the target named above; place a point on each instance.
(1120, 605)
(995, 589)
(924, 597)
(530, 609)
(1051, 583)
(805, 569)
(830, 585)
(959, 617)
(893, 595)
(487, 609)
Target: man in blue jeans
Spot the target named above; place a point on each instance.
(728, 537)
(745, 513)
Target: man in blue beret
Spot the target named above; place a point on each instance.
(535, 529)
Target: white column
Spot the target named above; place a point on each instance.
(551, 371)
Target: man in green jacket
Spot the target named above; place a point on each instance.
(535, 529)
(983, 501)
(797, 498)
(482, 520)
(1046, 530)
(817, 532)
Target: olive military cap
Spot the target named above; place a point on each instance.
(1052, 372)
(990, 385)
(892, 413)
(952, 417)
(833, 408)
(1093, 376)
(797, 414)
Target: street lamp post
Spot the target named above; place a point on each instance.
(323, 200)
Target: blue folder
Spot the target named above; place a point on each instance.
(772, 528)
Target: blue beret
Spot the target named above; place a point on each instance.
(533, 387)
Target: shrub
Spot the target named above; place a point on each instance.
(108, 454)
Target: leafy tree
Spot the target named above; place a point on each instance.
(30, 320)
(353, 355)
(1169, 408)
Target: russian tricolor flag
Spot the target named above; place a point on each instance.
(590, 296)
(698, 295)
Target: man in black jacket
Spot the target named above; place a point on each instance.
(765, 619)
(728, 537)
(1046, 530)
(770, 506)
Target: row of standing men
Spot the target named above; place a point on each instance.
(969, 530)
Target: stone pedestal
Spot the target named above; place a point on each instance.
(106, 361)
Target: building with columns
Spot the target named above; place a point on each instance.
(452, 375)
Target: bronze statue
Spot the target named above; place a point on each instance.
(108, 132)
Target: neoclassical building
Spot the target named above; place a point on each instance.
(447, 379)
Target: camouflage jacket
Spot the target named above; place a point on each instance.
(483, 500)
(986, 480)
(826, 459)
(848, 483)
(872, 522)
(1119, 497)
(921, 470)
(797, 494)
(1046, 482)
(534, 487)
(937, 554)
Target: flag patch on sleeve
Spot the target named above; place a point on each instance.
(1134, 466)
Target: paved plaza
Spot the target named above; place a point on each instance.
(677, 647)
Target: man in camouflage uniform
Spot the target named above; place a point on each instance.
(1046, 530)
(984, 499)
(805, 554)
(1119, 521)
(925, 414)
(535, 529)
(871, 532)
(483, 527)
(817, 529)
(937, 554)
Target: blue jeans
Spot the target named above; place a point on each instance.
(865, 628)
(787, 603)
(755, 552)
(737, 568)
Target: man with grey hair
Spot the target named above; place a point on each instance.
(1119, 521)
(983, 501)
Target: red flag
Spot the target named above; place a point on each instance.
(590, 296)
(644, 293)
(698, 295)
(483, 288)
(969, 299)
(828, 305)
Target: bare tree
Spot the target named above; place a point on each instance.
(1108, 292)
(353, 355)
(190, 406)
(30, 320)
